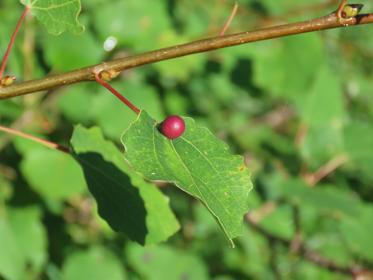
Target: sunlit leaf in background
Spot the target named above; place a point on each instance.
(57, 15)
(96, 263)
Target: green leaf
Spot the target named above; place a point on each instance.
(279, 222)
(198, 163)
(76, 99)
(322, 143)
(356, 232)
(358, 137)
(132, 23)
(57, 15)
(10, 109)
(6, 190)
(322, 112)
(179, 69)
(275, 7)
(11, 258)
(324, 102)
(95, 264)
(23, 243)
(278, 64)
(54, 175)
(327, 240)
(163, 262)
(29, 231)
(326, 199)
(128, 203)
(70, 51)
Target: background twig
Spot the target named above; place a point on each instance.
(229, 20)
(12, 40)
(306, 253)
(44, 142)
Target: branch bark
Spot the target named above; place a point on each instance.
(87, 74)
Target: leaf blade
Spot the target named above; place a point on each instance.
(128, 203)
(57, 15)
(198, 163)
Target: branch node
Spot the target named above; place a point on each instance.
(347, 11)
(351, 10)
(7, 81)
(108, 75)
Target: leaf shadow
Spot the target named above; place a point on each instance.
(119, 203)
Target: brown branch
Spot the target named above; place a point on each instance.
(44, 142)
(308, 254)
(263, 211)
(296, 242)
(87, 74)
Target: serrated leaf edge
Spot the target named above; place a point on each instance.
(175, 183)
(81, 26)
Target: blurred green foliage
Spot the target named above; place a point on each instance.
(290, 106)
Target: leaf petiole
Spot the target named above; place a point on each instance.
(116, 93)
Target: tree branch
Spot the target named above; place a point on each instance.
(296, 242)
(87, 73)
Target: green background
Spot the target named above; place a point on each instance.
(290, 106)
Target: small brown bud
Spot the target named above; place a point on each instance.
(108, 75)
(7, 81)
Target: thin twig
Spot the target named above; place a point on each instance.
(12, 40)
(313, 178)
(263, 211)
(276, 118)
(301, 134)
(296, 242)
(44, 142)
(308, 254)
(229, 20)
(340, 8)
(87, 74)
(273, 259)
